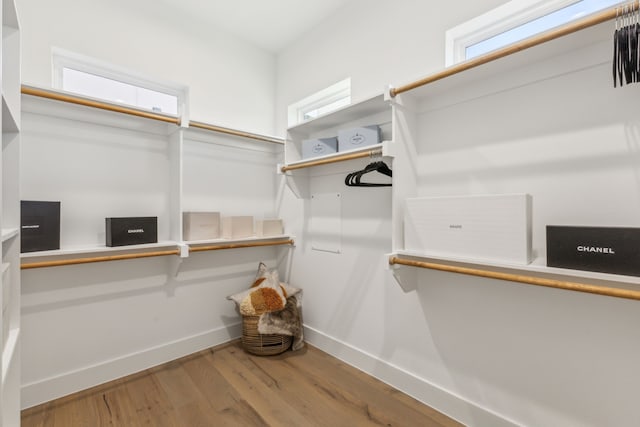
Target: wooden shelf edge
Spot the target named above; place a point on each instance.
(509, 50)
(358, 153)
(93, 103)
(518, 278)
(236, 132)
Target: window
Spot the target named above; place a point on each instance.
(325, 101)
(514, 21)
(95, 79)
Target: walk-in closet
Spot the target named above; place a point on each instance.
(325, 213)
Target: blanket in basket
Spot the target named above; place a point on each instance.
(277, 304)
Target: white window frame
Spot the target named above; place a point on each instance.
(494, 22)
(340, 91)
(62, 59)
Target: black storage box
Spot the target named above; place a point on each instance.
(39, 226)
(131, 231)
(603, 249)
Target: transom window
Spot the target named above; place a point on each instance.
(512, 22)
(96, 79)
(336, 96)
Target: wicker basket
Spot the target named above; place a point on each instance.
(262, 344)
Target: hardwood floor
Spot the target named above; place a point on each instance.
(225, 386)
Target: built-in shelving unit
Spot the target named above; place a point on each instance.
(178, 166)
(516, 141)
(372, 111)
(10, 217)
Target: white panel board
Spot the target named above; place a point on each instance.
(326, 222)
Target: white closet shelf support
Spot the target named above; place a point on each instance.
(9, 233)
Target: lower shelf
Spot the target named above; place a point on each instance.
(182, 249)
(535, 274)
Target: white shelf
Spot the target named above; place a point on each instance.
(86, 114)
(537, 267)
(9, 233)
(515, 69)
(232, 241)
(368, 107)
(381, 145)
(98, 250)
(4, 267)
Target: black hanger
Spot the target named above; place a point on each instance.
(354, 179)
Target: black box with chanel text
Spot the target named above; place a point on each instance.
(131, 230)
(604, 249)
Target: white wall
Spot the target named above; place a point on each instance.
(376, 43)
(86, 324)
(486, 352)
(231, 82)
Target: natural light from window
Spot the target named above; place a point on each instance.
(334, 97)
(118, 92)
(515, 21)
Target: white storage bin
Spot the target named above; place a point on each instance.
(491, 227)
(237, 227)
(348, 139)
(269, 227)
(200, 225)
(319, 147)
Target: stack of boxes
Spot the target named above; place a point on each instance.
(210, 225)
(347, 139)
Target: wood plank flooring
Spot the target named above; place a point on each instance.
(225, 386)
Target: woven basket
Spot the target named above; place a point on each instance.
(262, 344)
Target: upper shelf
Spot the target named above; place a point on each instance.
(515, 60)
(352, 112)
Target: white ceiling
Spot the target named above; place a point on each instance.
(270, 24)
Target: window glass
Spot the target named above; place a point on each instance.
(514, 21)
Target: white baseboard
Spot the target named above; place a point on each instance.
(448, 403)
(51, 388)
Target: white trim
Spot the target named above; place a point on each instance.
(496, 21)
(61, 385)
(440, 399)
(61, 58)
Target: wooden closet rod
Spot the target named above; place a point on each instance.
(27, 90)
(234, 132)
(310, 163)
(537, 281)
(564, 30)
(239, 245)
(88, 260)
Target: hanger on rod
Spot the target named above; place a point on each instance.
(354, 179)
(626, 40)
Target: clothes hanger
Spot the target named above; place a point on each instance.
(354, 179)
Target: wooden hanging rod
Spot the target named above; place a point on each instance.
(58, 263)
(28, 90)
(239, 245)
(562, 31)
(235, 132)
(310, 163)
(88, 260)
(529, 280)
